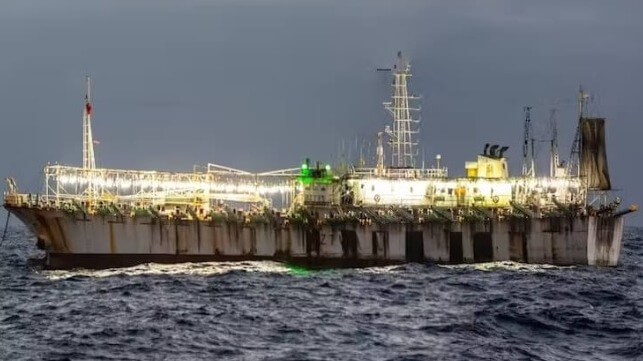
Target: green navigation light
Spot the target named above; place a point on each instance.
(304, 166)
(328, 167)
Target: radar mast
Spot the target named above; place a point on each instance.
(403, 135)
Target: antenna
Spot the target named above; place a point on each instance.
(422, 157)
(528, 166)
(554, 160)
(362, 162)
(403, 133)
(582, 102)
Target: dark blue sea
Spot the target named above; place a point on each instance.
(269, 311)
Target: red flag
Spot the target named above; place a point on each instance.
(88, 108)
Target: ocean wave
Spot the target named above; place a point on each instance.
(270, 310)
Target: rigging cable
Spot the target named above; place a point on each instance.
(6, 225)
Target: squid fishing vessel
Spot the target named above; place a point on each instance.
(390, 212)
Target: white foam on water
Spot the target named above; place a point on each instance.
(199, 269)
(378, 269)
(213, 268)
(507, 265)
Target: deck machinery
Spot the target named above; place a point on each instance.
(340, 215)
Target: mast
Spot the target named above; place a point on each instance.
(573, 167)
(528, 165)
(402, 135)
(89, 162)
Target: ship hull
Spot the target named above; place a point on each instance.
(93, 241)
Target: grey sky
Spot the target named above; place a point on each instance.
(262, 84)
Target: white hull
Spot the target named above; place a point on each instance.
(69, 238)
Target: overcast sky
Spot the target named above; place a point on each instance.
(262, 84)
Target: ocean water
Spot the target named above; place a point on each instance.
(269, 311)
